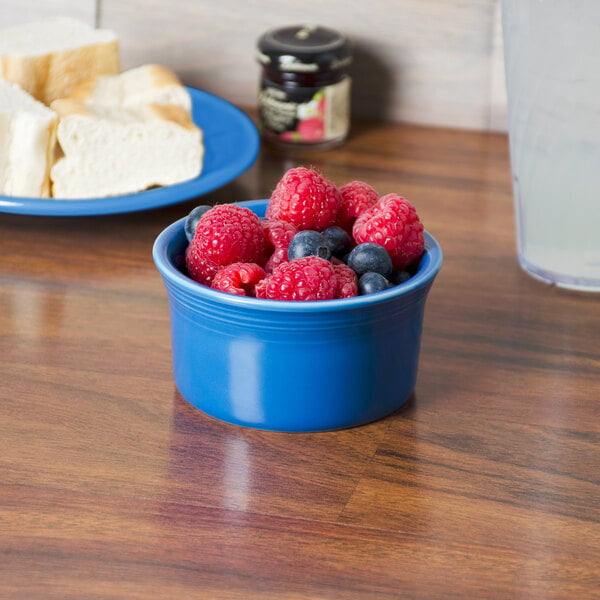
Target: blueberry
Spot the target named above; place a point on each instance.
(370, 257)
(400, 276)
(338, 240)
(371, 282)
(192, 219)
(309, 243)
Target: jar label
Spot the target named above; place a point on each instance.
(305, 115)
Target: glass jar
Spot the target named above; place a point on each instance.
(304, 98)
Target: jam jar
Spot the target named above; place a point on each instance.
(304, 98)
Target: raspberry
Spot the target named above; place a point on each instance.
(334, 198)
(347, 281)
(306, 199)
(238, 278)
(394, 224)
(308, 278)
(226, 234)
(278, 235)
(278, 257)
(356, 197)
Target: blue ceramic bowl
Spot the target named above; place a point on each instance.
(293, 366)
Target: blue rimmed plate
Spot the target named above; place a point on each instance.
(231, 144)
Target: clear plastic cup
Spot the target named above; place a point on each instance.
(552, 58)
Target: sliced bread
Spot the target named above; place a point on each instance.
(112, 150)
(27, 141)
(126, 133)
(135, 87)
(48, 58)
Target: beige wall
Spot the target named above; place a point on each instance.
(424, 61)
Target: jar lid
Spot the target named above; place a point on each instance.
(304, 49)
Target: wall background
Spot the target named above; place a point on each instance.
(435, 62)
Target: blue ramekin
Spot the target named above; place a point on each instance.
(293, 366)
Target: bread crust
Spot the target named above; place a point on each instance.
(54, 75)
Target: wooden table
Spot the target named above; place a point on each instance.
(485, 485)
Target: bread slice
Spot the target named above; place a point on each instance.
(27, 141)
(113, 150)
(135, 87)
(48, 58)
(125, 133)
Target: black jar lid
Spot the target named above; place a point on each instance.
(304, 49)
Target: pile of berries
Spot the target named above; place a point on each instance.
(316, 242)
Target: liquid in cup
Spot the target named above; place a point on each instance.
(552, 58)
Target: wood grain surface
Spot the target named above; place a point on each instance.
(485, 485)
